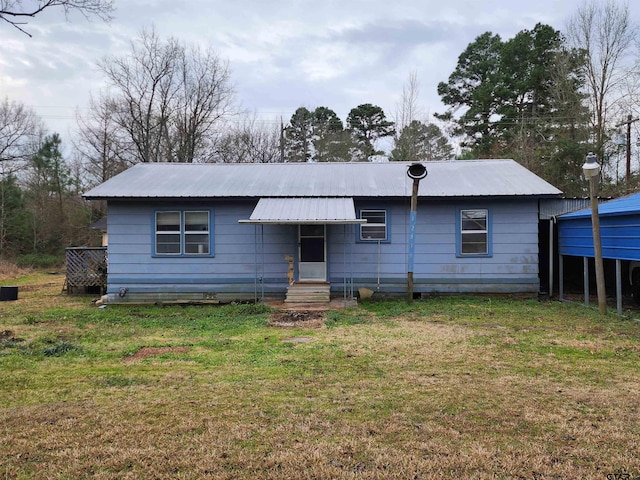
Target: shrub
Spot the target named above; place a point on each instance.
(39, 260)
(60, 349)
(10, 270)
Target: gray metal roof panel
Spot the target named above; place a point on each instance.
(304, 210)
(388, 179)
(553, 207)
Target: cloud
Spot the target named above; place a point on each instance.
(283, 54)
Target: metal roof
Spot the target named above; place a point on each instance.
(553, 207)
(304, 210)
(620, 206)
(445, 179)
(99, 225)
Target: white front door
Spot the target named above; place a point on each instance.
(313, 253)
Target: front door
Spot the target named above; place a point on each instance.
(313, 265)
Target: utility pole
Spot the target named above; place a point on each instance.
(281, 141)
(591, 170)
(416, 172)
(628, 123)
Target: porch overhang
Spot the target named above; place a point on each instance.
(304, 210)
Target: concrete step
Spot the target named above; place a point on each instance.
(308, 293)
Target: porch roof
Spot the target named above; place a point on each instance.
(304, 210)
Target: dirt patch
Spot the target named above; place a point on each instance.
(297, 340)
(302, 319)
(146, 352)
(7, 338)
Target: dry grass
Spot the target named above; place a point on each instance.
(446, 389)
(10, 270)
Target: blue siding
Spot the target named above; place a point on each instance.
(250, 258)
(620, 236)
(512, 267)
(236, 267)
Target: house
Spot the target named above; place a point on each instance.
(245, 231)
(101, 226)
(620, 239)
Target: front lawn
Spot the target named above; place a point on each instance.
(449, 387)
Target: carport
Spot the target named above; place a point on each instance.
(620, 235)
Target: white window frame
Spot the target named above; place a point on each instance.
(160, 233)
(365, 226)
(183, 234)
(191, 233)
(467, 233)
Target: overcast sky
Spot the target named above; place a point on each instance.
(283, 54)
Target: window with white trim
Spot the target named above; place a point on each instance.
(182, 232)
(196, 232)
(474, 232)
(168, 233)
(376, 227)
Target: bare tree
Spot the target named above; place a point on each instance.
(249, 140)
(205, 97)
(20, 132)
(102, 149)
(605, 32)
(415, 138)
(17, 12)
(168, 98)
(408, 109)
(142, 84)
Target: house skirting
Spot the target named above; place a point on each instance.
(157, 290)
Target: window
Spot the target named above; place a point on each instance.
(312, 243)
(182, 233)
(376, 227)
(474, 232)
(196, 232)
(168, 232)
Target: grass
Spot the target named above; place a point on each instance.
(451, 387)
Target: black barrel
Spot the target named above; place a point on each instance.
(8, 294)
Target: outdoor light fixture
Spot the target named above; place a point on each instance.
(416, 172)
(591, 169)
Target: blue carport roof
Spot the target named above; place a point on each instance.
(620, 206)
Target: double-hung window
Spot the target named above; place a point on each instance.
(196, 232)
(474, 232)
(182, 232)
(168, 233)
(376, 227)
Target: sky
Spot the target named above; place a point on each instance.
(283, 54)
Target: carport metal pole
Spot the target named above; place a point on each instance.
(585, 279)
(417, 172)
(561, 278)
(618, 286)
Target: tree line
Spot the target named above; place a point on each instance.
(542, 97)
(547, 98)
